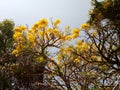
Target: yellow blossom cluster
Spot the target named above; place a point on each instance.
(40, 34)
(75, 34)
(19, 39)
(56, 22)
(68, 37)
(67, 28)
(77, 60)
(79, 44)
(43, 23)
(82, 46)
(64, 52)
(31, 37)
(20, 28)
(85, 26)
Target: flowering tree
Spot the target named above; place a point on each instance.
(45, 57)
(32, 48)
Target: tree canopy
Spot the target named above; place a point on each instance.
(46, 57)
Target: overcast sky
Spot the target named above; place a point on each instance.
(70, 12)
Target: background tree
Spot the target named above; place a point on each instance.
(105, 20)
(6, 47)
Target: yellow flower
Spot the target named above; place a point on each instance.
(58, 62)
(41, 59)
(23, 28)
(63, 38)
(17, 29)
(21, 39)
(85, 26)
(50, 30)
(43, 23)
(19, 47)
(31, 37)
(31, 31)
(69, 49)
(36, 24)
(41, 33)
(79, 42)
(67, 28)
(15, 52)
(78, 46)
(84, 46)
(59, 56)
(75, 30)
(47, 35)
(56, 22)
(17, 35)
(75, 35)
(69, 38)
(77, 60)
(56, 33)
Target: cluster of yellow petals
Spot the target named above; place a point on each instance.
(75, 33)
(57, 33)
(77, 60)
(31, 38)
(39, 32)
(66, 50)
(68, 37)
(67, 28)
(82, 46)
(20, 28)
(85, 26)
(85, 46)
(56, 22)
(43, 23)
(19, 39)
(79, 44)
(17, 35)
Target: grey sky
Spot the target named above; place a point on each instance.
(70, 12)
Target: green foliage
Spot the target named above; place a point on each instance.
(6, 44)
(6, 34)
